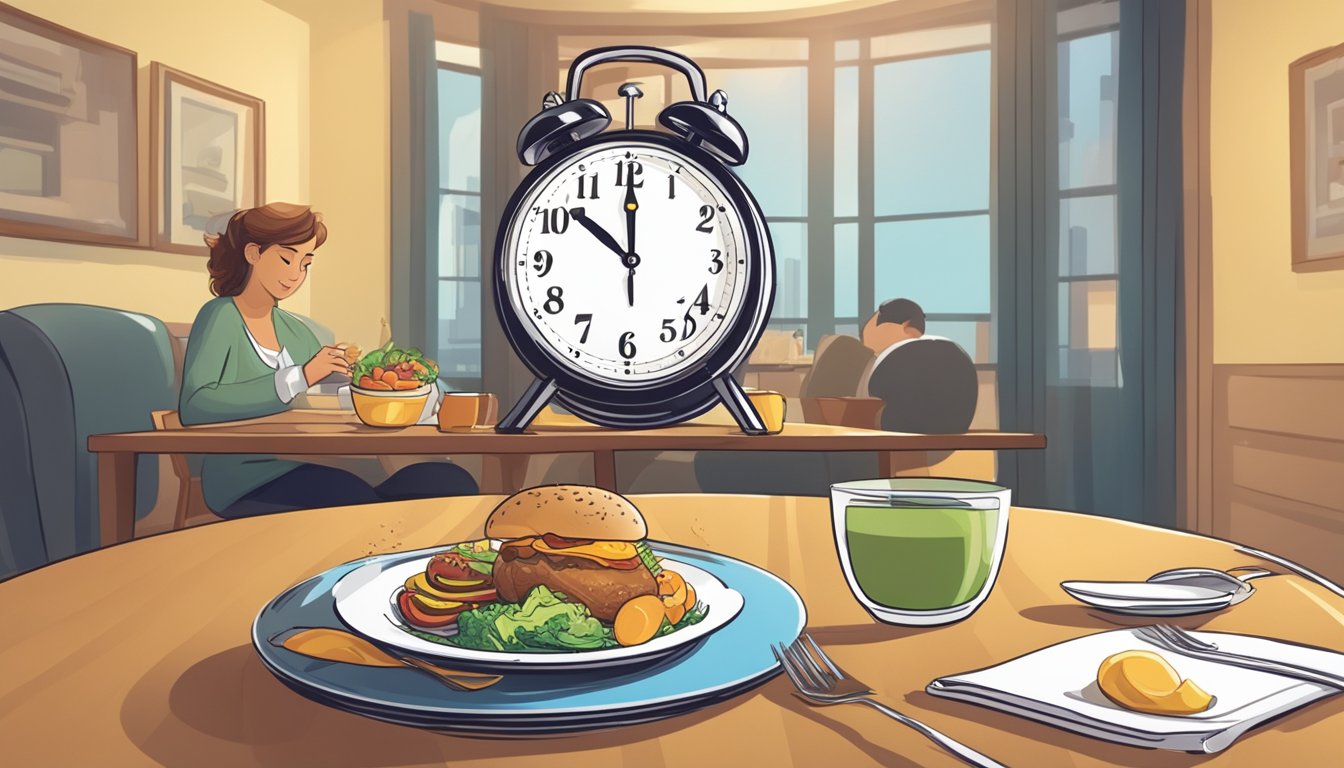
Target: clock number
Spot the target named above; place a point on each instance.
(707, 211)
(687, 326)
(542, 261)
(585, 318)
(554, 297)
(671, 187)
(635, 168)
(627, 345)
(716, 256)
(555, 220)
(584, 186)
(701, 300)
(669, 331)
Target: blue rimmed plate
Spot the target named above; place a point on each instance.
(723, 664)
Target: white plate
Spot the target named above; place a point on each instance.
(365, 601)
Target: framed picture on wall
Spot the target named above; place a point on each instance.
(68, 163)
(1316, 128)
(207, 145)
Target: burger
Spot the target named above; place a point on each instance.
(579, 541)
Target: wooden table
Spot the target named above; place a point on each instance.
(140, 653)
(327, 433)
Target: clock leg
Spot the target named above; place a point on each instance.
(739, 405)
(527, 407)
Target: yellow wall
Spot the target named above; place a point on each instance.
(1263, 311)
(247, 45)
(350, 172)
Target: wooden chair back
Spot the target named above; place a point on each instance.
(190, 498)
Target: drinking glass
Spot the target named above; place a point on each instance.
(920, 551)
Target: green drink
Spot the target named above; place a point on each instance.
(936, 557)
(920, 550)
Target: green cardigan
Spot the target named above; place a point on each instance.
(223, 379)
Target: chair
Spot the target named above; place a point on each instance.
(837, 367)
(80, 370)
(191, 506)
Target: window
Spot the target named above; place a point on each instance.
(1088, 277)
(920, 227)
(459, 266)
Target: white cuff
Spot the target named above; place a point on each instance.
(289, 382)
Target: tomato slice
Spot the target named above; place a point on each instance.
(560, 542)
(418, 618)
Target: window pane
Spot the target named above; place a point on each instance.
(1088, 331)
(847, 141)
(1087, 100)
(459, 328)
(459, 130)
(970, 335)
(846, 270)
(790, 240)
(941, 264)
(931, 134)
(771, 105)
(1087, 238)
(459, 236)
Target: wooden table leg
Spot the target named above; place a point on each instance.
(116, 497)
(903, 463)
(503, 473)
(604, 469)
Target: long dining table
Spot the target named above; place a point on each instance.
(141, 653)
(318, 432)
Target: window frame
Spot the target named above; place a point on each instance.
(461, 383)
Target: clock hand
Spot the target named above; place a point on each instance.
(631, 205)
(601, 234)
(631, 258)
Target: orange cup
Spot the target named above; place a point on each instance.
(465, 411)
(771, 406)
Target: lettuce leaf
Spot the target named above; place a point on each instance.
(543, 622)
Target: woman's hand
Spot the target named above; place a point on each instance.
(327, 361)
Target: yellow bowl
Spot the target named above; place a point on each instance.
(390, 409)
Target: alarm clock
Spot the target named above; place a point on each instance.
(633, 270)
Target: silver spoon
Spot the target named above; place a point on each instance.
(1234, 580)
(1173, 592)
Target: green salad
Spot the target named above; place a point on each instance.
(405, 363)
(543, 623)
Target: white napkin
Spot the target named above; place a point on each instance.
(1057, 685)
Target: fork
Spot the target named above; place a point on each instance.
(825, 684)
(1175, 639)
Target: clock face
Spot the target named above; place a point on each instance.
(623, 310)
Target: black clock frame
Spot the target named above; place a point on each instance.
(689, 393)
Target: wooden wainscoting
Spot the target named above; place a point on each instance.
(1278, 461)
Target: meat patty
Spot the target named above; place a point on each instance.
(604, 590)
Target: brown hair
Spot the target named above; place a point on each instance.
(271, 224)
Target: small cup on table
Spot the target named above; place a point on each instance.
(772, 408)
(467, 411)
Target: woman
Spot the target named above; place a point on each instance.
(242, 363)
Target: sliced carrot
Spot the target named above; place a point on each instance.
(638, 620)
(406, 384)
(377, 372)
(380, 385)
(390, 378)
(365, 382)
